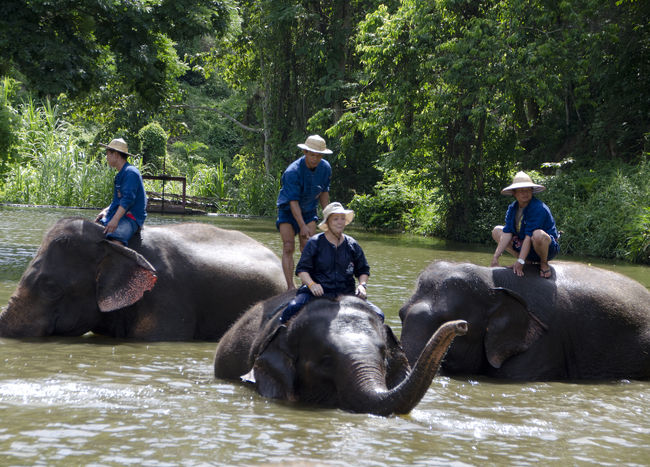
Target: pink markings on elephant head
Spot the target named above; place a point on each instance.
(140, 282)
(123, 276)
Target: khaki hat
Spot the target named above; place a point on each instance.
(522, 180)
(335, 208)
(315, 143)
(119, 145)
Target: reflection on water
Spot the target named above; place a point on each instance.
(98, 401)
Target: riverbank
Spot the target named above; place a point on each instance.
(30, 222)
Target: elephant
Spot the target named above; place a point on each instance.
(333, 353)
(584, 323)
(186, 281)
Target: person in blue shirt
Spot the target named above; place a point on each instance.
(329, 263)
(529, 232)
(128, 210)
(305, 184)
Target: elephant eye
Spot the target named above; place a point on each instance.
(51, 290)
(326, 361)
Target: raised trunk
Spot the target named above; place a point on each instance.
(373, 397)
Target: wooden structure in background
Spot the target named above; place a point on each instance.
(155, 204)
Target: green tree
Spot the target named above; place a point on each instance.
(296, 62)
(76, 46)
(463, 92)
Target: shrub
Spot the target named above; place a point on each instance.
(7, 136)
(256, 190)
(153, 146)
(601, 212)
(638, 238)
(400, 202)
(209, 181)
(52, 169)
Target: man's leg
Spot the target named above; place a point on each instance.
(497, 233)
(126, 228)
(541, 242)
(287, 234)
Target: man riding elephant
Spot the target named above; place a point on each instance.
(583, 323)
(529, 233)
(335, 353)
(174, 282)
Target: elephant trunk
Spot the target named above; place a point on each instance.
(14, 323)
(374, 397)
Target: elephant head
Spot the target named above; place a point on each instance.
(340, 354)
(499, 321)
(74, 278)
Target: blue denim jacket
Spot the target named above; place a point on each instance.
(536, 215)
(128, 192)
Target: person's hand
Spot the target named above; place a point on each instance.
(361, 291)
(304, 232)
(101, 215)
(495, 262)
(111, 226)
(518, 269)
(316, 289)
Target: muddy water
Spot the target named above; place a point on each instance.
(97, 401)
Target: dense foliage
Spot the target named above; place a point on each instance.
(430, 106)
(153, 146)
(77, 46)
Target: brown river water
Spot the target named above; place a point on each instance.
(98, 401)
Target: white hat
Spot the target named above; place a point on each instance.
(119, 145)
(335, 208)
(522, 180)
(315, 143)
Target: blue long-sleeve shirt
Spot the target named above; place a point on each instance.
(536, 215)
(331, 267)
(128, 192)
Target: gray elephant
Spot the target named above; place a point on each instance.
(333, 353)
(194, 283)
(583, 323)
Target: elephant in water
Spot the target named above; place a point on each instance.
(175, 282)
(333, 353)
(583, 323)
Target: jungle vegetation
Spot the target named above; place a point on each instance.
(430, 106)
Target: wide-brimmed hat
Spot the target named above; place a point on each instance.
(119, 145)
(315, 143)
(335, 208)
(522, 180)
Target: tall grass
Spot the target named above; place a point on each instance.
(49, 167)
(603, 212)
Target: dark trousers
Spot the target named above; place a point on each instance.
(304, 296)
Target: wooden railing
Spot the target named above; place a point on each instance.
(165, 178)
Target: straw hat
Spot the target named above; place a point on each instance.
(335, 208)
(522, 180)
(315, 143)
(119, 145)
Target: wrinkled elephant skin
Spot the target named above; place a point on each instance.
(584, 323)
(333, 353)
(174, 282)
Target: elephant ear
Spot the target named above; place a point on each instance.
(511, 327)
(123, 276)
(398, 367)
(274, 369)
